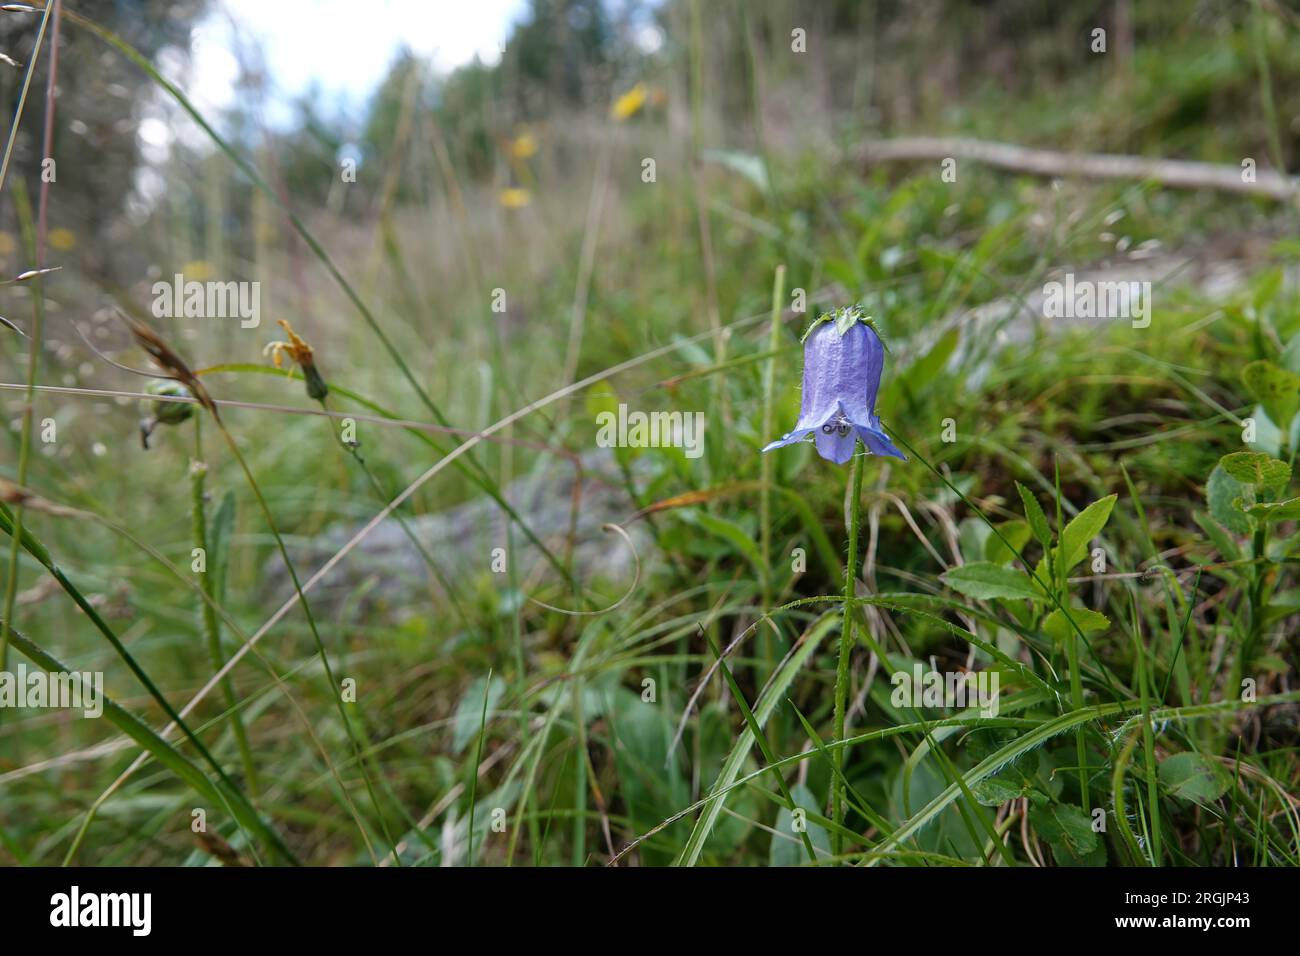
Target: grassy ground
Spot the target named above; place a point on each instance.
(1067, 519)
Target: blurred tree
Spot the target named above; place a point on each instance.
(557, 52)
(101, 98)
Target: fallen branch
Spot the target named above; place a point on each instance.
(1174, 173)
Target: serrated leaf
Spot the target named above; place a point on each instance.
(1058, 628)
(1017, 535)
(1034, 515)
(984, 581)
(1256, 468)
(1192, 776)
(1066, 825)
(1225, 496)
(1276, 388)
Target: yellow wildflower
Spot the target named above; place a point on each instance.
(630, 103)
(515, 198)
(524, 145)
(200, 270)
(62, 239)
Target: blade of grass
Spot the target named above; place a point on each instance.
(220, 793)
(761, 738)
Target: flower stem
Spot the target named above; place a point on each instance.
(846, 647)
(765, 495)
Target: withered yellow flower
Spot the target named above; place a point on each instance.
(302, 354)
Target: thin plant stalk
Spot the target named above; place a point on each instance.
(846, 646)
(767, 464)
(34, 345)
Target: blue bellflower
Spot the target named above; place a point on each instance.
(842, 361)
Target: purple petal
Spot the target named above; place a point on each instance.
(878, 442)
(836, 447)
(841, 369)
(798, 435)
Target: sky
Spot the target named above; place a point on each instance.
(344, 47)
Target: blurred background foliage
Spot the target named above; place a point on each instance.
(525, 176)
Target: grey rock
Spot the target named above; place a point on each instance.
(385, 576)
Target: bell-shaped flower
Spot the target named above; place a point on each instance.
(842, 361)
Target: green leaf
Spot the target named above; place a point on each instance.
(973, 537)
(1093, 858)
(1226, 497)
(1288, 510)
(1277, 389)
(996, 791)
(730, 532)
(1058, 628)
(1192, 776)
(921, 372)
(223, 526)
(1256, 468)
(1085, 526)
(469, 716)
(603, 400)
(1223, 543)
(1034, 515)
(650, 784)
(748, 165)
(984, 581)
(1016, 533)
(787, 847)
(1032, 739)
(1266, 286)
(1291, 354)
(1065, 825)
